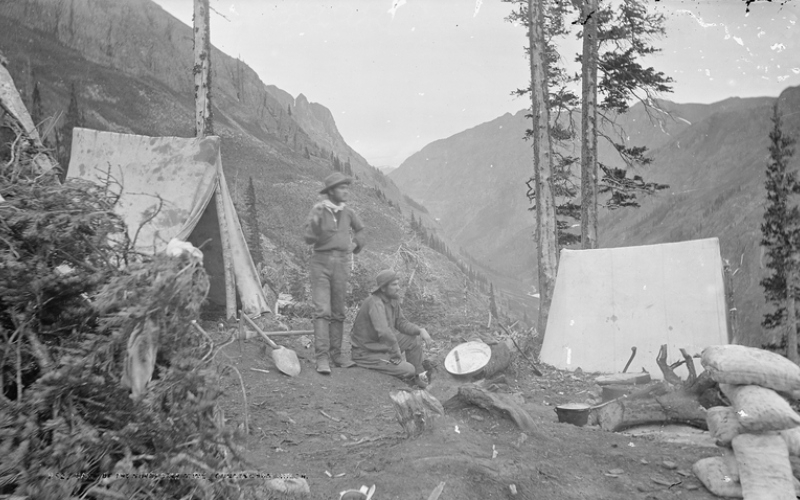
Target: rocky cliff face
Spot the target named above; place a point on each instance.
(146, 42)
(712, 156)
(130, 64)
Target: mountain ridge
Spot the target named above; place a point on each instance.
(712, 156)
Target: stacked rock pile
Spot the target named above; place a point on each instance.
(759, 431)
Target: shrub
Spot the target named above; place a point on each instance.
(72, 297)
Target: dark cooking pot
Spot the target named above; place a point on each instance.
(573, 413)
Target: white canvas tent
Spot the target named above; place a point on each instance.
(186, 174)
(11, 103)
(609, 300)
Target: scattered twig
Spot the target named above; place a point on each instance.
(244, 396)
(147, 220)
(14, 150)
(19, 371)
(259, 370)
(533, 365)
(689, 366)
(199, 328)
(39, 351)
(330, 417)
(369, 440)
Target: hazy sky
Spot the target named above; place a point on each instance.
(399, 74)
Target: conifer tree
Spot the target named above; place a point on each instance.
(74, 118)
(781, 236)
(616, 36)
(626, 30)
(253, 233)
(37, 111)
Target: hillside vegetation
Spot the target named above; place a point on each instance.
(712, 156)
(128, 64)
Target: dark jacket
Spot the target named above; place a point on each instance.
(328, 232)
(376, 324)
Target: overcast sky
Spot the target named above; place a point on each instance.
(399, 74)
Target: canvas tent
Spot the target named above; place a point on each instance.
(609, 300)
(11, 102)
(186, 174)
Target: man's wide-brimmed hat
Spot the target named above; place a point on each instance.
(335, 179)
(384, 278)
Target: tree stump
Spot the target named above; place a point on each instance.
(501, 358)
(415, 410)
(474, 395)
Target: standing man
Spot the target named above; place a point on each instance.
(328, 229)
(381, 333)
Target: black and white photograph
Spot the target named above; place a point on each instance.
(399, 249)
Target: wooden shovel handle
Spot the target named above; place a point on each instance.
(290, 332)
(254, 325)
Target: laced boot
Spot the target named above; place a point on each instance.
(336, 335)
(323, 366)
(322, 346)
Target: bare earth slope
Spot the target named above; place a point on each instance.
(340, 433)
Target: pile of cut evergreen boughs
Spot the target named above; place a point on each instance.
(71, 295)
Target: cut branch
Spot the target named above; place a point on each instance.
(669, 374)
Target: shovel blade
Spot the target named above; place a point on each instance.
(286, 361)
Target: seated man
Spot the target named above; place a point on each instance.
(381, 333)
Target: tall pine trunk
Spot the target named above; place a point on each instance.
(202, 70)
(589, 126)
(204, 127)
(791, 320)
(546, 234)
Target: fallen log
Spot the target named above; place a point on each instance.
(415, 410)
(501, 403)
(624, 413)
(673, 401)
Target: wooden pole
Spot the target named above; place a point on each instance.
(733, 333)
(227, 255)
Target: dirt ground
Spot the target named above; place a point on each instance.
(357, 440)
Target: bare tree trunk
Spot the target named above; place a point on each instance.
(546, 235)
(791, 312)
(202, 69)
(730, 303)
(204, 127)
(589, 127)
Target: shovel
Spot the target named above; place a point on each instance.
(285, 359)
